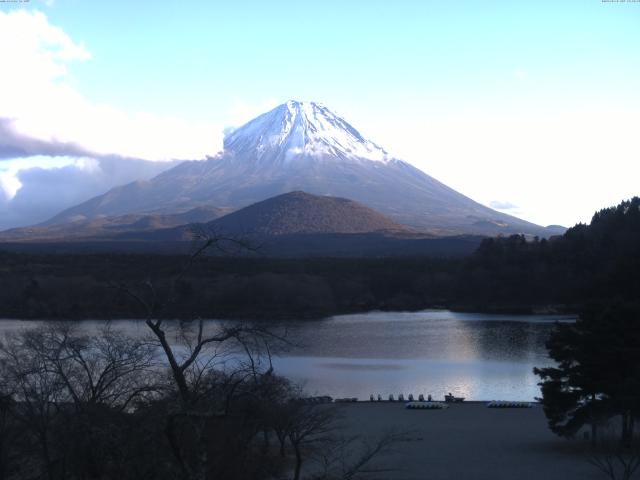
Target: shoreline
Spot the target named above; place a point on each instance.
(294, 316)
(534, 403)
(468, 441)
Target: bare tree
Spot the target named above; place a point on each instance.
(110, 368)
(65, 386)
(308, 426)
(38, 392)
(197, 341)
(217, 412)
(617, 460)
(9, 436)
(349, 458)
(192, 360)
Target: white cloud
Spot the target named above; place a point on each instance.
(9, 184)
(49, 130)
(37, 93)
(30, 194)
(10, 181)
(502, 205)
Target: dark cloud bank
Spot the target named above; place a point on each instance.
(45, 192)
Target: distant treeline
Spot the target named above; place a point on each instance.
(594, 263)
(87, 286)
(510, 274)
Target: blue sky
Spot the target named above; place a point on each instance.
(193, 58)
(532, 105)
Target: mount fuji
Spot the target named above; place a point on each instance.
(303, 146)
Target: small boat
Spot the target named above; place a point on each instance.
(451, 399)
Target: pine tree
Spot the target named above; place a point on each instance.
(598, 371)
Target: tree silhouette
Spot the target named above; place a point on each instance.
(598, 372)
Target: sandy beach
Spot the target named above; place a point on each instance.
(470, 441)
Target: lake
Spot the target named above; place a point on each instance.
(477, 356)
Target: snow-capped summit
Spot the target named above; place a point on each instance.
(303, 146)
(296, 130)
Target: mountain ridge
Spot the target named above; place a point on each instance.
(304, 146)
(294, 213)
(302, 213)
(109, 226)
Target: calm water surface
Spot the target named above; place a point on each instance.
(477, 356)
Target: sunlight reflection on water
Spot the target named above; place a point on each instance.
(433, 352)
(477, 356)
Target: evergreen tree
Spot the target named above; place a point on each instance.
(598, 371)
